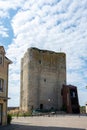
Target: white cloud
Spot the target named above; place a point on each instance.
(3, 14)
(50, 25)
(8, 4)
(82, 96)
(3, 31)
(14, 95)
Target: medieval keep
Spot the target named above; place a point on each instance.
(43, 74)
(4, 66)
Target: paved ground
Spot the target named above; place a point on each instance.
(60, 122)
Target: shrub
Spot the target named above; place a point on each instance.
(9, 118)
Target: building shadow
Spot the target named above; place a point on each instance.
(29, 127)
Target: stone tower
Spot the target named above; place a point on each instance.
(43, 73)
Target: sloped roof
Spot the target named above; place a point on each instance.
(9, 61)
(2, 50)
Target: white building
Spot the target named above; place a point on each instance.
(86, 107)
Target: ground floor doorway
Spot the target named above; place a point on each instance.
(0, 114)
(41, 106)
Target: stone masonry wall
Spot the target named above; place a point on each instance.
(42, 75)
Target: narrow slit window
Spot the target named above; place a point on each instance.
(39, 61)
(1, 85)
(1, 59)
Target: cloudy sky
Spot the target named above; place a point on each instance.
(58, 25)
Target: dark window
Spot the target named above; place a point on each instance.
(44, 80)
(41, 106)
(0, 114)
(39, 61)
(1, 84)
(0, 59)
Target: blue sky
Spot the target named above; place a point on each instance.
(56, 25)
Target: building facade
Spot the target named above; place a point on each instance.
(4, 64)
(43, 73)
(86, 108)
(70, 99)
